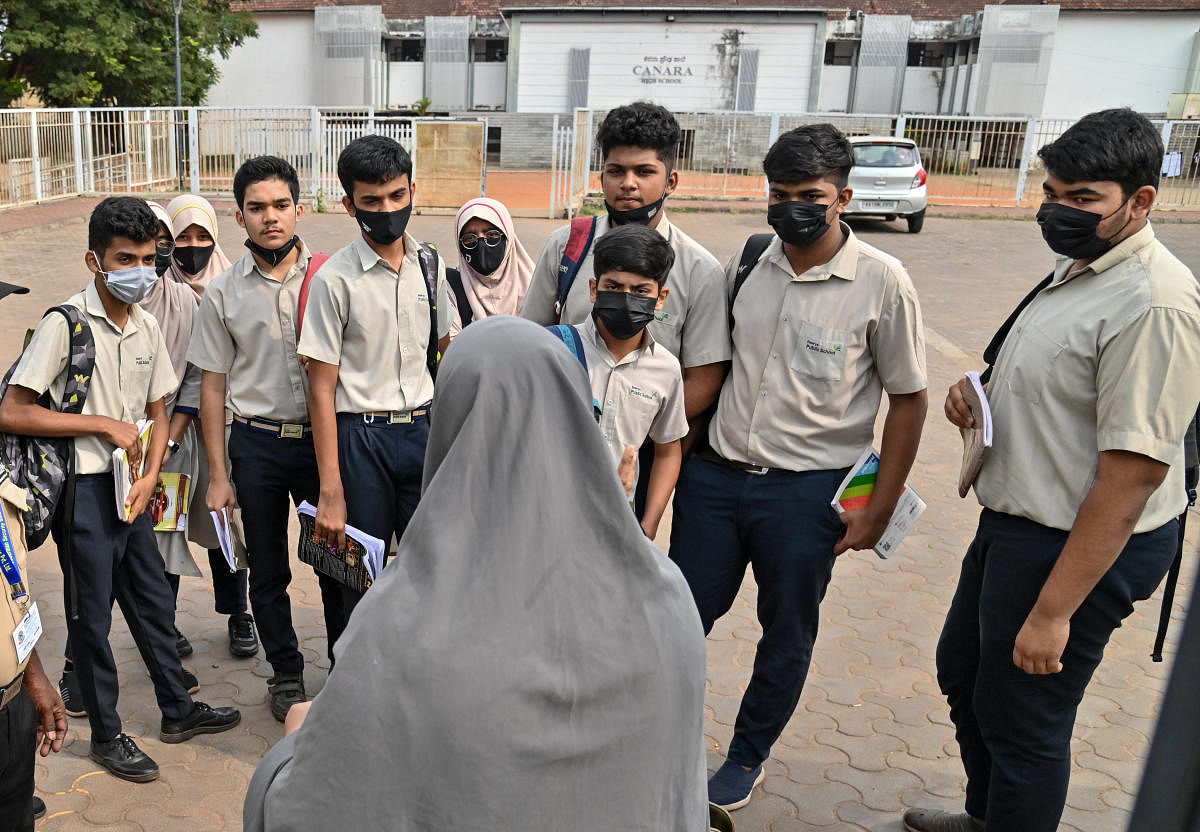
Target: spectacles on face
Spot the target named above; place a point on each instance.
(164, 247)
(490, 238)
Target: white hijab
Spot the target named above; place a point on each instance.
(503, 291)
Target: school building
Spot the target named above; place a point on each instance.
(955, 57)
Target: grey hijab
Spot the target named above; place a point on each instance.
(529, 661)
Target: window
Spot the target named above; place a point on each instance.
(493, 146)
(407, 50)
(840, 52)
(927, 54)
(885, 155)
(687, 149)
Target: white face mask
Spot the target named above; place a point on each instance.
(129, 285)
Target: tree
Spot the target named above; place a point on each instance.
(80, 53)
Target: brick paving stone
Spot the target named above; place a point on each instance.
(880, 790)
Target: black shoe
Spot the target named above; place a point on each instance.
(190, 681)
(935, 820)
(182, 646)
(243, 638)
(202, 720)
(122, 757)
(39, 807)
(72, 696)
(285, 690)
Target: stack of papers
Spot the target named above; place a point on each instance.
(229, 535)
(358, 567)
(124, 474)
(978, 439)
(855, 493)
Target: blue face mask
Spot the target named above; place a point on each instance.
(129, 285)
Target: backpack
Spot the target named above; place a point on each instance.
(752, 252)
(569, 335)
(583, 231)
(465, 313)
(44, 466)
(314, 265)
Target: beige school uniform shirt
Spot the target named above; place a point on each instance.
(1105, 359)
(813, 354)
(246, 328)
(12, 611)
(372, 322)
(132, 369)
(640, 396)
(694, 322)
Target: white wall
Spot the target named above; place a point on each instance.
(618, 62)
(406, 83)
(490, 84)
(834, 95)
(1112, 60)
(920, 89)
(276, 68)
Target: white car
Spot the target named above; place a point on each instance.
(888, 180)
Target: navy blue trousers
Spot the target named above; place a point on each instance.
(18, 733)
(782, 525)
(229, 588)
(1013, 729)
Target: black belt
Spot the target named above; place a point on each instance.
(743, 467)
(393, 417)
(284, 430)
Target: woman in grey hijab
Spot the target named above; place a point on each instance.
(529, 660)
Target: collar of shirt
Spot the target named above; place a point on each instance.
(248, 265)
(588, 327)
(1117, 254)
(369, 258)
(95, 307)
(603, 224)
(843, 264)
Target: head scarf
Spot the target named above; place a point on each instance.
(190, 209)
(535, 664)
(172, 304)
(502, 291)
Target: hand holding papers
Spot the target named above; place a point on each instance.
(978, 439)
(229, 534)
(856, 490)
(357, 567)
(125, 474)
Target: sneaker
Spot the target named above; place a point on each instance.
(935, 820)
(243, 638)
(202, 720)
(285, 690)
(39, 807)
(72, 696)
(731, 786)
(182, 646)
(122, 757)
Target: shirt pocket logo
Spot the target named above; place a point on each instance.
(820, 353)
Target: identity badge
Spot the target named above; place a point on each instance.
(8, 560)
(27, 633)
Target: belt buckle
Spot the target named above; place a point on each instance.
(757, 470)
(291, 431)
(400, 418)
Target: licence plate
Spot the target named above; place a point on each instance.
(877, 205)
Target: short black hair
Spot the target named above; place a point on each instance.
(372, 159)
(638, 249)
(121, 216)
(641, 124)
(1115, 145)
(260, 169)
(813, 151)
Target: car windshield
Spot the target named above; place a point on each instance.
(884, 155)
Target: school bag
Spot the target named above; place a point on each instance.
(569, 335)
(465, 313)
(45, 467)
(314, 265)
(583, 231)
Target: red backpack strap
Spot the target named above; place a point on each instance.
(583, 230)
(314, 265)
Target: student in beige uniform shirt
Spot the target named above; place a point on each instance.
(245, 342)
(823, 325)
(639, 143)
(375, 319)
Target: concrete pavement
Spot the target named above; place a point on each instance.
(872, 734)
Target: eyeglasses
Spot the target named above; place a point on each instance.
(490, 238)
(164, 247)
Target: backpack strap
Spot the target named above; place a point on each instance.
(752, 252)
(428, 257)
(583, 231)
(314, 265)
(992, 351)
(569, 335)
(465, 314)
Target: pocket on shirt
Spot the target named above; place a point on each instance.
(820, 353)
(1036, 354)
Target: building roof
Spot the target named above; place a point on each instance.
(919, 9)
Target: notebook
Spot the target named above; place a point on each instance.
(855, 493)
(978, 439)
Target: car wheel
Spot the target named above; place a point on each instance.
(915, 221)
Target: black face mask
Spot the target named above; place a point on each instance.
(192, 259)
(483, 258)
(624, 314)
(798, 223)
(274, 256)
(162, 262)
(384, 227)
(1071, 231)
(635, 216)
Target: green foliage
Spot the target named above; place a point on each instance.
(422, 106)
(80, 53)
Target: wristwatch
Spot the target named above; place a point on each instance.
(172, 446)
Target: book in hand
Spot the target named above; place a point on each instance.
(357, 567)
(229, 536)
(169, 505)
(855, 493)
(125, 474)
(978, 439)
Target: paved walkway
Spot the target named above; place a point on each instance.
(872, 735)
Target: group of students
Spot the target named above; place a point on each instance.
(529, 657)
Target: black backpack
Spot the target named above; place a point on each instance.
(43, 466)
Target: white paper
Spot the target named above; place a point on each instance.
(908, 508)
(27, 633)
(224, 535)
(987, 410)
(374, 547)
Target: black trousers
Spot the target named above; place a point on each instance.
(1013, 729)
(112, 559)
(271, 473)
(18, 733)
(229, 588)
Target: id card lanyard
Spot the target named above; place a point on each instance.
(8, 562)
